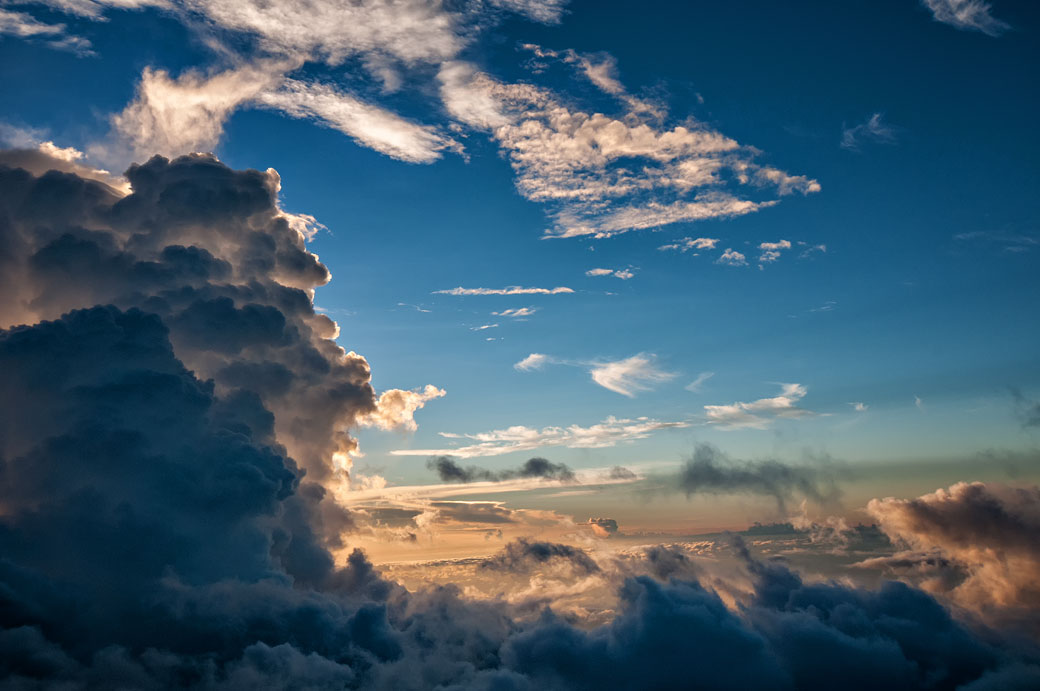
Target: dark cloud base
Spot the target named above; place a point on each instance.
(158, 532)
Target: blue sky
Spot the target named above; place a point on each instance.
(909, 284)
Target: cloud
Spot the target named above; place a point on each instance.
(1027, 410)
(23, 25)
(532, 362)
(395, 408)
(688, 244)
(859, 407)
(771, 250)
(516, 312)
(607, 433)
(630, 375)
(985, 532)
(370, 125)
(623, 274)
(483, 327)
(696, 384)
(709, 471)
(760, 413)
(450, 471)
(872, 130)
(919, 404)
(971, 15)
(732, 258)
(511, 290)
(522, 555)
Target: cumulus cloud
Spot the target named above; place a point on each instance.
(395, 408)
(607, 433)
(771, 250)
(971, 15)
(511, 290)
(709, 471)
(534, 468)
(873, 129)
(759, 414)
(984, 533)
(732, 258)
(532, 362)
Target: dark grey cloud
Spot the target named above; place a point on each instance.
(1027, 409)
(449, 470)
(522, 555)
(709, 471)
(620, 472)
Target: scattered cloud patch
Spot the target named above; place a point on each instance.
(690, 244)
(731, 258)
(760, 413)
(872, 130)
(516, 313)
(859, 406)
(23, 25)
(697, 384)
(771, 250)
(533, 361)
(623, 274)
(969, 15)
(630, 375)
(483, 327)
(534, 468)
(511, 290)
(609, 432)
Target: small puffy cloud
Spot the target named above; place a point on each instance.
(771, 250)
(511, 290)
(859, 407)
(533, 361)
(871, 130)
(759, 414)
(630, 375)
(395, 408)
(969, 15)
(516, 312)
(689, 244)
(732, 258)
(599, 272)
(607, 433)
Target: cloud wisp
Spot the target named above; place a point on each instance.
(873, 130)
(534, 468)
(510, 290)
(609, 432)
(760, 413)
(969, 15)
(628, 376)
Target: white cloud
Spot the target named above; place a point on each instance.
(967, 14)
(511, 290)
(873, 129)
(919, 403)
(396, 408)
(516, 312)
(533, 361)
(623, 274)
(630, 375)
(758, 414)
(771, 250)
(369, 125)
(696, 384)
(609, 432)
(859, 407)
(24, 25)
(732, 258)
(483, 327)
(688, 244)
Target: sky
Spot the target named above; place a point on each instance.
(384, 305)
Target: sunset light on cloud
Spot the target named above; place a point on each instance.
(519, 344)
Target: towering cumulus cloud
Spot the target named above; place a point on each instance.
(172, 408)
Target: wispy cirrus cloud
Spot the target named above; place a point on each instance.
(873, 129)
(609, 432)
(690, 244)
(516, 312)
(970, 15)
(24, 25)
(627, 376)
(510, 290)
(760, 413)
(696, 385)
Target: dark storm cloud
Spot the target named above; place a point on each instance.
(158, 529)
(522, 555)
(710, 471)
(450, 471)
